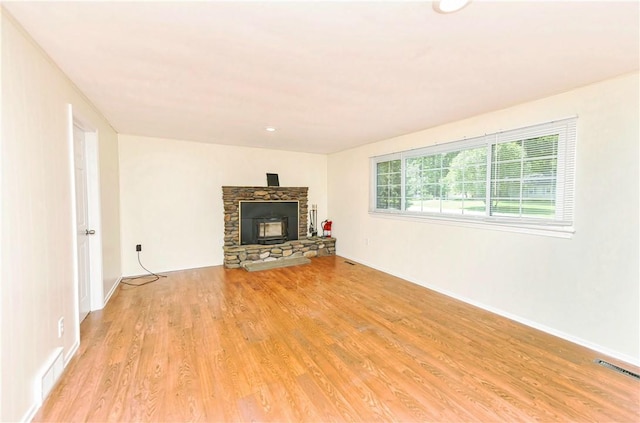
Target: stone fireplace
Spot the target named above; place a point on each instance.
(268, 223)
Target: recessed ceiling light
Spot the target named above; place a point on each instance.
(270, 129)
(450, 6)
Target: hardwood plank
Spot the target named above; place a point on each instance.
(324, 342)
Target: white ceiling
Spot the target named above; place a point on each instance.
(328, 75)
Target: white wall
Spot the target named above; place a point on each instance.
(37, 261)
(585, 288)
(171, 196)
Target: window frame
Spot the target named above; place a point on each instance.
(561, 225)
(374, 179)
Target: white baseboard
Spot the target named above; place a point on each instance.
(52, 369)
(111, 291)
(38, 400)
(535, 325)
(50, 374)
(71, 353)
(31, 413)
(46, 379)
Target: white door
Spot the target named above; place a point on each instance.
(82, 218)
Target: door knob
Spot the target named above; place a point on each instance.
(90, 232)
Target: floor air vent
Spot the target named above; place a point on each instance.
(617, 369)
(348, 262)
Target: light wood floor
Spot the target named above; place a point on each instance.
(327, 341)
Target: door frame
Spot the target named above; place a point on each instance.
(94, 215)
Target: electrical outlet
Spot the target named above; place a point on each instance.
(60, 327)
(138, 247)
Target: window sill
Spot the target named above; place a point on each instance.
(551, 230)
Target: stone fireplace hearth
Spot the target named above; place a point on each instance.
(236, 254)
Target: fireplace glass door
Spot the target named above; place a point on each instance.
(271, 230)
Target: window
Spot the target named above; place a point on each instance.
(522, 177)
(388, 185)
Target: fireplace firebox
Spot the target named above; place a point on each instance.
(271, 230)
(268, 222)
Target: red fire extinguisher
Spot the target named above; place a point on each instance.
(326, 228)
